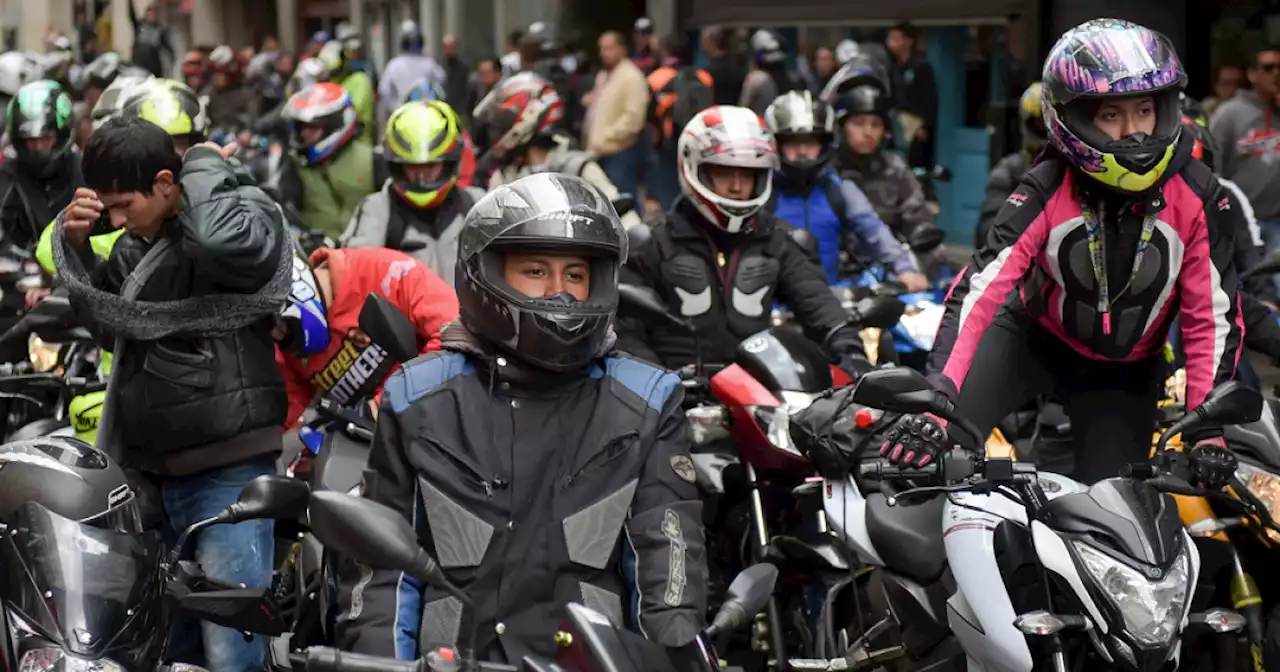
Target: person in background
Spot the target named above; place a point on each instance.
(645, 51)
(331, 167)
(86, 38)
(769, 77)
(1249, 142)
(511, 60)
(339, 59)
(195, 70)
(915, 92)
(150, 40)
(616, 112)
(541, 53)
(103, 29)
(1226, 82)
(457, 77)
(321, 323)
(42, 178)
(669, 114)
(1007, 174)
(420, 207)
(232, 105)
(406, 70)
(488, 74)
(725, 70)
(824, 66)
(262, 61)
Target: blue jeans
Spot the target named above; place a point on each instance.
(1270, 236)
(623, 168)
(662, 181)
(241, 553)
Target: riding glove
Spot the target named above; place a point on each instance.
(915, 440)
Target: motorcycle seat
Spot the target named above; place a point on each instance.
(908, 537)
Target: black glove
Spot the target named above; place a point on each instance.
(1212, 465)
(855, 364)
(915, 440)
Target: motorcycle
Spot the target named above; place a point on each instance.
(378, 536)
(1002, 567)
(335, 449)
(754, 478)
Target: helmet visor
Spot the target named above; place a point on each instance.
(1100, 59)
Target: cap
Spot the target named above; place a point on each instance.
(644, 25)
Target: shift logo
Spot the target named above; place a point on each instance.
(354, 371)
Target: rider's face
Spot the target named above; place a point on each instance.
(1124, 117)
(43, 144)
(423, 172)
(801, 147)
(311, 133)
(733, 182)
(864, 132)
(540, 276)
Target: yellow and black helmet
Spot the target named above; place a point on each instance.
(171, 105)
(420, 133)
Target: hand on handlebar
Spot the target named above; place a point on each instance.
(914, 440)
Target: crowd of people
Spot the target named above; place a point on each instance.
(497, 211)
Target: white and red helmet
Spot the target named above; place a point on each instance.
(726, 135)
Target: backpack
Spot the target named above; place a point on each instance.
(692, 96)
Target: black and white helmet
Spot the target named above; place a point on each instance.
(798, 114)
(556, 214)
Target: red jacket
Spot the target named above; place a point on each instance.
(354, 273)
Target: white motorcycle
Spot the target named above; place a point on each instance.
(1014, 570)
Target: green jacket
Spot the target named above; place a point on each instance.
(360, 88)
(331, 190)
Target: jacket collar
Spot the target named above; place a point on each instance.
(510, 376)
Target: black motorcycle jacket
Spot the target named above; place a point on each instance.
(892, 188)
(532, 490)
(727, 285)
(193, 398)
(1005, 176)
(28, 203)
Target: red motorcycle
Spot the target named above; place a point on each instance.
(753, 477)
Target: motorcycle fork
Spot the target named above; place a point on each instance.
(773, 615)
(1248, 602)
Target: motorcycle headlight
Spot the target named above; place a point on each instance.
(54, 659)
(1151, 609)
(1265, 486)
(776, 423)
(43, 356)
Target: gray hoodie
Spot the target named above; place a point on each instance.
(1248, 135)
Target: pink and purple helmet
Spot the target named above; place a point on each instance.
(1106, 59)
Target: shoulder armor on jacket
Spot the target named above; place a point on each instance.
(422, 375)
(652, 384)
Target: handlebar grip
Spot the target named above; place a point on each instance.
(327, 659)
(882, 469)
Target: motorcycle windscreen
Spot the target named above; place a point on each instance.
(1126, 515)
(82, 585)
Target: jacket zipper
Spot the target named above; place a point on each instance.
(595, 459)
(470, 470)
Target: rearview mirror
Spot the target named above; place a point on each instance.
(1270, 264)
(269, 496)
(747, 595)
(882, 312)
(645, 300)
(389, 328)
(940, 173)
(1230, 403)
(925, 239)
(371, 533)
(900, 390)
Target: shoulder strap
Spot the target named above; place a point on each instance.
(835, 197)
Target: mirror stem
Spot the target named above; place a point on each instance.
(176, 554)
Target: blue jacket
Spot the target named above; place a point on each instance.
(866, 234)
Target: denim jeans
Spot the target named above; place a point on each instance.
(662, 180)
(1271, 236)
(242, 553)
(623, 168)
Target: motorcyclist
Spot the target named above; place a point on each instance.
(272, 123)
(321, 347)
(186, 302)
(720, 259)
(554, 468)
(330, 168)
(232, 105)
(769, 77)
(1009, 171)
(407, 70)
(42, 180)
(1094, 302)
(337, 57)
(523, 118)
(808, 194)
(16, 68)
(426, 89)
(113, 97)
(420, 208)
(195, 70)
(886, 179)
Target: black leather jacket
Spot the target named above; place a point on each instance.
(28, 204)
(188, 404)
(892, 188)
(727, 286)
(532, 490)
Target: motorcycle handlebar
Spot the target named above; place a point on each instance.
(328, 659)
(950, 468)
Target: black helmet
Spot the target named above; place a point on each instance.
(41, 110)
(546, 212)
(864, 99)
(799, 113)
(70, 478)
